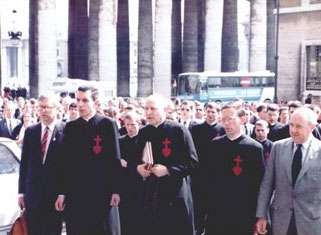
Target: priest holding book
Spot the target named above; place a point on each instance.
(165, 203)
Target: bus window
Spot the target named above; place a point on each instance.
(268, 81)
(189, 84)
(214, 82)
(255, 82)
(194, 85)
(231, 82)
(181, 85)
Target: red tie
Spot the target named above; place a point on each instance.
(44, 143)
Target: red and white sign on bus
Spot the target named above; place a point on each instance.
(245, 82)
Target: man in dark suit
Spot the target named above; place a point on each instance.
(187, 115)
(38, 170)
(9, 122)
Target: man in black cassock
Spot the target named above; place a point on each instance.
(90, 169)
(202, 136)
(165, 203)
(261, 131)
(234, 169)
(132, 181)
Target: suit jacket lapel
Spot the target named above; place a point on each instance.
(308, 159)
(38, 141)
(288, 158)
(55, 136)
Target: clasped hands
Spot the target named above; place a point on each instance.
(158, 170)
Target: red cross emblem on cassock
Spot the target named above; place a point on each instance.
(237, 170)
(267, 156)
(166, 150)
(97, 148)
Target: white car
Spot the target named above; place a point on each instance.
(10, 155)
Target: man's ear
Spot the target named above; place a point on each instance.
(243, 120)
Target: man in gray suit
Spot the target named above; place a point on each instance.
(294, 175)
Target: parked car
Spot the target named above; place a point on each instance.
(9, 173)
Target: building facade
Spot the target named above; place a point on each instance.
(299, 64)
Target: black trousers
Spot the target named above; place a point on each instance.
(43, 220)
(102, 221)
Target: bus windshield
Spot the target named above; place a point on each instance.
(189, 84)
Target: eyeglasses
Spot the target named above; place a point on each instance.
(185, 109)
(229, 119)
(45, 107)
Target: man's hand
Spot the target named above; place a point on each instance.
(60, 203)
(123, 163)
(141, 169)
(21, 202)
(261, 226)
(159, 170)
(115, 199)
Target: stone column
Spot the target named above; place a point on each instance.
(78, 39)
(176, 39)
(107, 42)
(163, 54)
(93, 40)
(190, 43)
(123, 49)
(230, 54)
(270, 31)
(43, 46)
(258, 35)
(145, 49)
(213, 35)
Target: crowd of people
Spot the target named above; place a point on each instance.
(235, 168)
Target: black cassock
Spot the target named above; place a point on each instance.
(165, 204)
(131, 186)
(91, 174)
(267, 146)
(234, 173)
(202, 136)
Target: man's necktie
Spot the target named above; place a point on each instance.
(10, 127)
(44, 142)
(296, 163)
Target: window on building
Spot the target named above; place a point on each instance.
(12, 55)
(315, 1)
(313, 81)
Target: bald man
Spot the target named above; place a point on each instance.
(165, 202)
(294, 175)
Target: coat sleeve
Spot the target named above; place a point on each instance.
(188, 157)
(114, 157)
(24, 162)
(267, 186)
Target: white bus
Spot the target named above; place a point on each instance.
(69, 86)
(226, 86)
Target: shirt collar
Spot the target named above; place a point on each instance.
(160, 123)
(211, 124)
(261, 141)
(51, 126)
(132, 136)
(88, 119)
(306, 144)
(235, 137)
